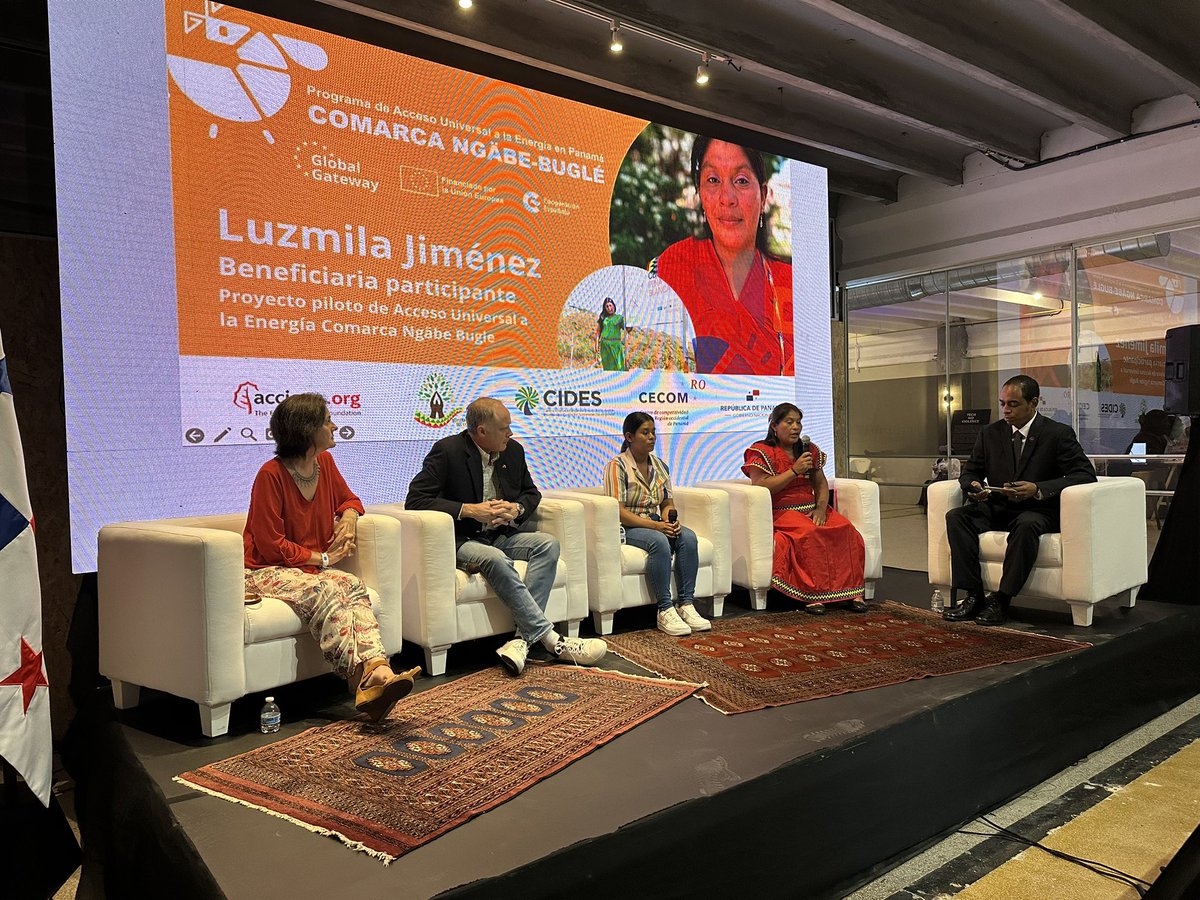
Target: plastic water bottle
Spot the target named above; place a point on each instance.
(268, 719)
(936, 603)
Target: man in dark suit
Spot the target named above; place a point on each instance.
(480, 478)
(1017, 469)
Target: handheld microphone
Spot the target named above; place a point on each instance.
(804, 442)
(673, 516)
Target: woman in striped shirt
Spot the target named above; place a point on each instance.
(641, 484)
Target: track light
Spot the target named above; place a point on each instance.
(466, 4)
(702, 70)
(616, 45)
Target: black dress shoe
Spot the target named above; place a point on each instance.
(992, 614)
(815, 609)
(858, 606)
(967, 609)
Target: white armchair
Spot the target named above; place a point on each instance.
(1100, 552)
(752, 540)
(174, 617)
(616, 572)
(443, 605)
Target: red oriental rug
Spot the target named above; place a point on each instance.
(442, 757)
(752, 662)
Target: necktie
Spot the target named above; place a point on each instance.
(1018, 442)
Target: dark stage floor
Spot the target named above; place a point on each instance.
(804, 800)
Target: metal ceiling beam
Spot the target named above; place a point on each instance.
(829, 77)
(1126, 30)
(993, 64)
(518, 36)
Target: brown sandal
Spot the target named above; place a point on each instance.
(377, 701)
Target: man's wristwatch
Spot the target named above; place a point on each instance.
(1038, 495)
(324, 560)
(520, 510)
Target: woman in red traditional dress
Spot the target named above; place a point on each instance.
(739, 297)
(819, 554)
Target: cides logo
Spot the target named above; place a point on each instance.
(572, 398)
(435, 390)
(1113, 410)
(247, 397)
(527, 400)
(256, 85)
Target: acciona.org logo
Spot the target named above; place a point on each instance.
(251, 400)
(248, 81)
(527, 400)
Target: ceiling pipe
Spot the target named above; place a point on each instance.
(1055, 262)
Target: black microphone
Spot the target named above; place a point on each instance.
(672, 516)
(804, 442)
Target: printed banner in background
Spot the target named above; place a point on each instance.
(404, 237)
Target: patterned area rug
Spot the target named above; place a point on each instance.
(753, 662)
(442, 757)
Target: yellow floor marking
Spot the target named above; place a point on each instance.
(1137, 829)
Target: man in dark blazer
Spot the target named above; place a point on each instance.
(1019, 466)
(480, 478)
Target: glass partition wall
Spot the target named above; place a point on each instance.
(927, 355)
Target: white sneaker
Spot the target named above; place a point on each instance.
(693, 619)
(581, 651)
(513, 655)
(670, 623)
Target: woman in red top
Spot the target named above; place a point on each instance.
(302, 521)
(819, 554)
(738, 296)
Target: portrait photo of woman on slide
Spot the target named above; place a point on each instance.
(737, 292)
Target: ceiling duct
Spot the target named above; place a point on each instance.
(905, 290)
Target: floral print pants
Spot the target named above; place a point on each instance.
(333, 604)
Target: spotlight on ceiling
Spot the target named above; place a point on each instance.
(466, 4)
(616, 45)
(702, 70)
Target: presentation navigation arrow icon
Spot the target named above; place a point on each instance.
(193, 435)
(345, 432)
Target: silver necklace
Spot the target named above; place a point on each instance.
(306, 480)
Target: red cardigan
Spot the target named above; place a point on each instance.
(284, 529)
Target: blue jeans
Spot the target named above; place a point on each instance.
(658, 564)
(493, 557)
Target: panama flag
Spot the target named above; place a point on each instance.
(24, 691)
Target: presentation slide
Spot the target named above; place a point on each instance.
(249, 208)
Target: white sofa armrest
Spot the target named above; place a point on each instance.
(858, 501)
(602, 530)
(564, 519)
(1103, 538)
(427, 569)
(376, 561)
(751, 531)
(172, 609)
(706, 512)
(941, 497)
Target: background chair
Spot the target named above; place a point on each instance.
(616, 572)
(752, 541)
(443, 605)
(174, 616)
(1099, 553)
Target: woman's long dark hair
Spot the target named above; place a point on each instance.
(603, 314)
(633, 422)
(757, 163)
(778, 414)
